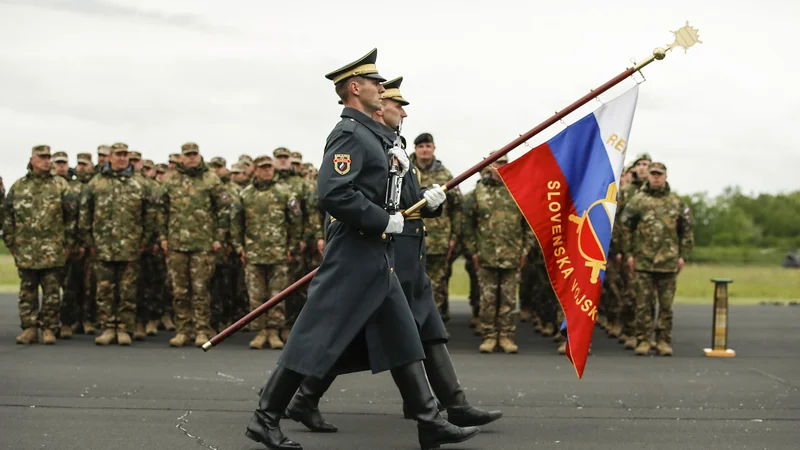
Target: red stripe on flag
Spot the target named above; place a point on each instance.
(540, 189)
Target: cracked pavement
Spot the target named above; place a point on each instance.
(76, 395)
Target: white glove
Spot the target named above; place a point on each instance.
(402, 159)
(435, 197)
(395, 224)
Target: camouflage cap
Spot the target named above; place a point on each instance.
(281, 151)
(85, 158)
(41, 150)
(308, 165)
(503, 158)
(135, 156)
(657, 167)
(119, 147)
(246, 162)
(263, 160)
(642, 157)
(189, 147)
(238, 168)
(162, 168)
(148, 164)
(175, 157)
(245, 156)
(218, 161)
(60, 157)
(297, 157)
(104, 150)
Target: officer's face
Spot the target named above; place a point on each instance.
(281, 162)
(62, 168)
(658, 179)
(369, 93)
(150, 173)
(641, 169)
(101, 159)
(393, 113)
(239, 177)
(190, 159)
(425, 151)
(221, 172)
(172, 166)
(265, 173)
(137, 164)
(161, 177)
(83, 168)
(496, 165)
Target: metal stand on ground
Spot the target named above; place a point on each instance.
(719, 339)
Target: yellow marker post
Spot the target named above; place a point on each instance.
(719, 340)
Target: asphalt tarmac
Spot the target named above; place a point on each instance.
(75, 395)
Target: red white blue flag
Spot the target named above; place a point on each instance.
(567, 190)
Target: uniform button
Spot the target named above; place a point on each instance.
(383, 236)
(391, 270)
(420, 257)
(417, 230)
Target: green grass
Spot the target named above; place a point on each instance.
(751, 284)
(9, 281)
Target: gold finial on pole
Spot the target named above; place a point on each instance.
(685, 37)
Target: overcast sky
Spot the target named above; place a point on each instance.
(248, 76)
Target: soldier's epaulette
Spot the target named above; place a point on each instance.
(349, 126)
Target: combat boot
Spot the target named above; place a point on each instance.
(49, 337)
(258, 342)
(602, 322)
(562, 349)
(264, 426)
(274, 340)
(537, 327)
(630, 344)
(525, 316)
(88, 327)
(664, 349)
(151, 328)
(614, 330)
(28, 336)
(201, 339)
(123, 338)
(108, 336)
(474, 322)
(66, 332)
(304, 407)
(548, 329)
(166, 320)
(444, 382)
(507, 344)
(179, 340)
(432, 429)
(622, 338)
(643, 349)
(488, 345)
(138, 332)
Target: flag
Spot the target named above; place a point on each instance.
(567, 190)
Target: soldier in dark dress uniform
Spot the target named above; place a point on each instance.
(410, 265)
(369, 325)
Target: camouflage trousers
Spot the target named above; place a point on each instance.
(72, 285)
(653, 288)
(165, 285)
(436, 266)
(117, 278)
(29, 311)
(498, 301)
(264, 281)
(545, 301)
(613, 284)
(627, 301)
(474, 288)
(151, 288)
(89, 310)
(241, 297)
(296, 301)
(190, 276)
(223, 293)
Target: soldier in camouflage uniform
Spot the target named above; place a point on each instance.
(469, 266)
(193, 224)
(443, 231)
(164, 285)
(88, 285)
(285, 175)
(241, 301)
(154, 292)
(658, 237)
(267, 224)
(39, 229)
(72, 282)
(103, 151)
(116, 223)
(627, 281)
(174, 161)
(499, 239)
(222, 283)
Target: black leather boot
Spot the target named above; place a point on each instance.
(444, 382)
(432, 429)
(264, 426)
(304, 407)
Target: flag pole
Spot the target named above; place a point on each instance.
(657, 55)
